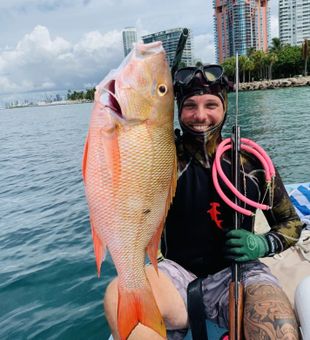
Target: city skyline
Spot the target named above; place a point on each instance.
(129, 38)
(52, 44)
(239, 26)
(294, 23)
(170, 39)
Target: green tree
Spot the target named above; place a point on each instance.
(306, 54)
(271, 58)
(289, 61)
(276, 45)
(242, 65)
(250, 51)
(90, 94)
(229, 66)
(249, 67)
(258, 58)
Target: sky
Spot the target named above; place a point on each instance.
(72, 44)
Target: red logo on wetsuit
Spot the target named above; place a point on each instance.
(214, 213)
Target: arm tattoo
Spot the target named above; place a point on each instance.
(268, 314)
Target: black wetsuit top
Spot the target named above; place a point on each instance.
(195, 228)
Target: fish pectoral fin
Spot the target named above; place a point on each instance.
(99, 248)
(138, 306)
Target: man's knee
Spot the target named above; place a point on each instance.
(267, 293)
(268, 313)
(110, 304)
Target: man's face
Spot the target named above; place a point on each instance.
(201, 112)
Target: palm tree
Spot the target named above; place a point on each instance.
(272, 58)
(276, 45)
(258, 58)
(229, 66)
(250, 51)
(305, 54)
(242, 65)
(249, 67)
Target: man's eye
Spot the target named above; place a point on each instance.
(189, 106)
(212, 106)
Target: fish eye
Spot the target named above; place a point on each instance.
(162, 89)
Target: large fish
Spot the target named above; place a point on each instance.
(129, 172)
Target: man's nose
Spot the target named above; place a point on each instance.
(200, 113)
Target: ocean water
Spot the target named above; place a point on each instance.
(49, 287)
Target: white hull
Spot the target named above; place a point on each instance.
(302, 306)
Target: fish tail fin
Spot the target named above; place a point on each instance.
(138, 306)
(99, 248)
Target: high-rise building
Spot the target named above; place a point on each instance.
(240, 25)
(170, 39)
(294, 21)
(129, 37)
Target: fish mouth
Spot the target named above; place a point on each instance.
(113, 103)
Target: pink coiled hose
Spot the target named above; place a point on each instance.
(256, 150)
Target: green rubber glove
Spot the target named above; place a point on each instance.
(242, 245)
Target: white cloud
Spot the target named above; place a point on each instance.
(59, 54)
(41, 62)
(204, 49)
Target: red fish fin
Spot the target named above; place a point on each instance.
(138, 305)
(152, 247)
(84, 161)
(99, 249)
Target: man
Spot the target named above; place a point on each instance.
(198, 240)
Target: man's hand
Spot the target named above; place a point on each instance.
(242, 245)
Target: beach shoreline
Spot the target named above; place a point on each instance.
(53, 103)
(246, 86)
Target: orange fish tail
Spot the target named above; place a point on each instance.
(138, 306)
